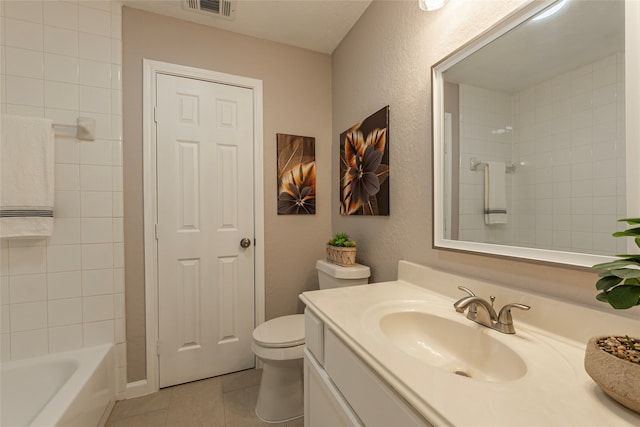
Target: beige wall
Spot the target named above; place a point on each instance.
(386, 59)
(297, 100)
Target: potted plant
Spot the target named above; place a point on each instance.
(341, 250)
(614, 361)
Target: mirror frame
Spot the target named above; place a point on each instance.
(632, 133)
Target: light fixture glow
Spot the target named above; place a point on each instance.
(429, 5)
(550, 11)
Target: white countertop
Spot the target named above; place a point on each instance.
(555, 391)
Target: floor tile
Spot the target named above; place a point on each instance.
(240, 407)
(197, 404)
(149, 419)
(242, 379)
(141, 405)
(298, 422)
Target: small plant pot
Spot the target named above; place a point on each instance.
(618, 378)
(343, 256)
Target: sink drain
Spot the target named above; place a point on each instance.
(462, 373)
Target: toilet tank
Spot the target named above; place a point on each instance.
(332, 275)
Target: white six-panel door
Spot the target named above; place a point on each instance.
(205, 208)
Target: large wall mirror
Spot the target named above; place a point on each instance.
(535, 125)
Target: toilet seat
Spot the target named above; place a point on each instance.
(281, 332)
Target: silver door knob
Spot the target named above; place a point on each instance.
(245, 243)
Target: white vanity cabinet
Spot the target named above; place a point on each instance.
(341, 390)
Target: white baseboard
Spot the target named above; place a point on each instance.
(139, 388)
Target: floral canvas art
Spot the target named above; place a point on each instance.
(296, 174)
(364, 166)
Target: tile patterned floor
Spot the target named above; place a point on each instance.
(225, 401)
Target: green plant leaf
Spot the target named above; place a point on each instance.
(607, 282)
(623, 297)
(630, 220)
(604, 297)
(613, 264)
(630, 232)
(626, 273)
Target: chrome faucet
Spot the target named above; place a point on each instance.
(482, 312)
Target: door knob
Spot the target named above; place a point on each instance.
(245, 243)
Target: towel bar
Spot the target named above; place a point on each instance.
(86, 128)
(475, 164)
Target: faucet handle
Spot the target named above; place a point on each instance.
(467, 290)
(505, 321)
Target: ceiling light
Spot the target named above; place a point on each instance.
(430, 5)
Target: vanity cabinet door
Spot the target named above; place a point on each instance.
(314, 335)
(323, 404)
(374, 402)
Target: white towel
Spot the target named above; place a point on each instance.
(26, 193)
(495, 193)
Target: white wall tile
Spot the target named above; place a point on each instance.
(60, 41)
(22, 34)
(27, 260)
(5, 347)
(97, 282)
(96, 48)
(29, 344)
(61, 14)
(66, 311)
(96, 308)
(24, 63)
(66, 231)
(5, 319)
(54, 68)
(65, 338)
(97, 230)
(28, 288)
(96, 204)
(63, 258)
(67, 203)
(95, 333)
(94, 73)
(97, 256)
(28, 316)
(94, 21)
(30, 11)
(67, 177)
(120, 330)
(67, 149)
(61, 95)
(96, 178)
(95, 100)
(24, 91)
(60, 68)
(67, 284)
(96, 153)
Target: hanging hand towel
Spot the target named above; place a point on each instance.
(26, 193)
(495, 193)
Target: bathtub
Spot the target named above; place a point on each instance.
(70, 389)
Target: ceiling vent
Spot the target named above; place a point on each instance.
(221, 8)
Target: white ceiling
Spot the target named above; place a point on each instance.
(318, 25)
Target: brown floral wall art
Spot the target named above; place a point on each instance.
(364, 166)
(296, 174)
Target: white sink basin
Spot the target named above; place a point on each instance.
(461, 349)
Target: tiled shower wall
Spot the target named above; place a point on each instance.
(566, 137)
(485, 135)
(61, 60)
(570, 141)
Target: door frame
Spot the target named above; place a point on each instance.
(151, 69)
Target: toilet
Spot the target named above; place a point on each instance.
(279, 343)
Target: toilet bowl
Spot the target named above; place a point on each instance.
(279, 343)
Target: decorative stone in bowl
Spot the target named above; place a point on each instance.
(617, 375)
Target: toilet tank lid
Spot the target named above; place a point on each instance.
(356, 271)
